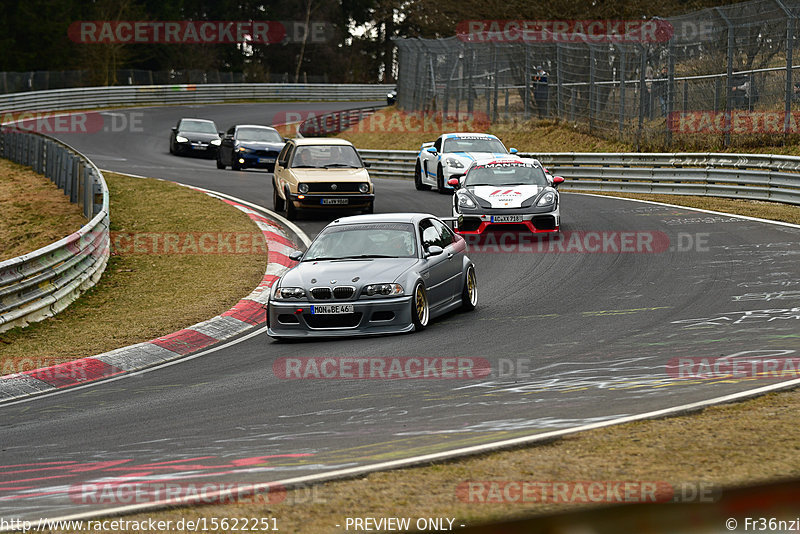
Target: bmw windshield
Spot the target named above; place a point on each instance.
(355, 241)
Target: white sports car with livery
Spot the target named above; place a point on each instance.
(506, 192)
(451, 155)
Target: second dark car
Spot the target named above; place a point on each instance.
(250, 146)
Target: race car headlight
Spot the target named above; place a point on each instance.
(283, 293)
(382, 289)
(465, 202)
(216, 142)
(302, 188)
(364, 188)
(547, 199)
(181, 139)
(453, 162)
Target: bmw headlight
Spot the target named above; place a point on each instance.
(453, 162)
(547, 199)
(216, 142)
(283, 293)
(302, 188)
(364, 188)
(181, 139)
(382, 289)
(465, 202)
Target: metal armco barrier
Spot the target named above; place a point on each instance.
(745, 176)
(335, 121)
(97, 97)
(44, 282)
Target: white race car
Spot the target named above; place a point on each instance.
(506, 191)
(451, 154)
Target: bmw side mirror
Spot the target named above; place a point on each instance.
(174, 128)
(512, 150)
(432, 150)
(296, 255)
(433, 250)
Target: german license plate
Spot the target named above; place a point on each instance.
(336, 201)
(199, 147)
(331, 309)
(506, 218)
(266, 160)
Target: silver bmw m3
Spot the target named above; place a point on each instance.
(373, 274)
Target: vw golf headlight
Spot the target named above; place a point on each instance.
(382, 289)
(302, 188)
(181, 139)
(453, 162)
(364, 188)
(547, 199)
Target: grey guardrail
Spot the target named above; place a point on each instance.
(140, 95)
(43, 282)
(745, 176)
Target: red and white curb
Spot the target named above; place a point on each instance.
(246, 314)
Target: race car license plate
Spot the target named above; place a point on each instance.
(506, 218)
(266, 160)
(335, 201)
(331, 309)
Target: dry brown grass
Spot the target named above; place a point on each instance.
(35, 212)
(141, 297)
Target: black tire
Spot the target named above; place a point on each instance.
(469, 294)
(440, 181)
(277, 201)
(291, 211)
(370, 209)
(418, 178)
(420, 307)
(220, 165)
(235, 164)
(171, 147)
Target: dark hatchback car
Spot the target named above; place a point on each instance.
(197, 137)
(250, 146)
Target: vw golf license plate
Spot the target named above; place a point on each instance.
(506, 218)
(331, 309)
(335, 200)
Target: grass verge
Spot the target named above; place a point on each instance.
(145, 295)
(35, 211)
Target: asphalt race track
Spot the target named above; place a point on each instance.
(574, 334)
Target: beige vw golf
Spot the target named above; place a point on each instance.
(321, 173)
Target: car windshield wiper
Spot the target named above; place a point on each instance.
(305, 167)
(476, 185)
(360, 256)
(341, 165)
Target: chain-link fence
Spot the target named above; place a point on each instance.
(724, 72)
(18, 82)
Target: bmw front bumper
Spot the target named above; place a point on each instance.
(389, 315)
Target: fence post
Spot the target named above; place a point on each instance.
(591, 89)
(496, 80)
(559, 72)
(787, 108)
(526, 96)
(729, 79)
(622, 60)
(670, 93)
(642, 95)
